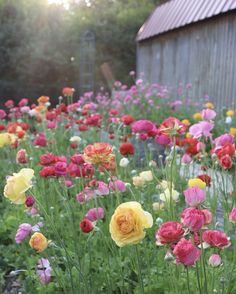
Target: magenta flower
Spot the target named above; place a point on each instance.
(117, 185)
(44, 270)
(95, 214)
(142, 126)
(61, 168)
(23, 231)
(194, 196)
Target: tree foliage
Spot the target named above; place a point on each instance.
(37, 41)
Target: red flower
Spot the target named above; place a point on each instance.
(77, 158)
(47, 159)
(127, 149)
(86, 226)
(186, 253)
(127, 120)
(227, 149)
(216, 239)
(83, 128)
(206, 179)
(169, 232)
(226, 162)
(47, 171)
(29, 202)
(73, 145)
(172, 125)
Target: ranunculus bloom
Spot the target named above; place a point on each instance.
(186, 253)
(193, 218)
(124, 162)
(197, 182)
(98, 153)
(18, 184)
(169, 232)
(127, 149)
(102, 188)
(142, 126)
(194, 196)
(22, 156)
(206, 179)
(186, 159)
(44, 270)
(138, 181)
(68, 91)
(147, 176)
(95, 213)
(38, 242)
(200, 129)
(5, 139)
(216, 239)
(208, 216)
(86, 226)
(226, 162)
(168, 194)
(29, 201)
(128, 223)
(23, 231)
(60, 168)
(214, 260)
(162, 139)
(208, 114)
(232, 216)
(127, 120)
(47, 159)
(117, 185)
(172, 126)
(43, 99)
(223, 139)
(2, 114)
(85, 195)
(227, 149)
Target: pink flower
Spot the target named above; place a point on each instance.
(208, 114)
(23, 231)
(169, 232)
(223, 139)
(142, 126)
(60, 168)
(193, 218)
(214, 260)
(186, 253)
(232, 216)
(102, 188)
(68, 183)
(95, 214)
(208, 216)
(200, 129)
(40, 140)
(162, 139)
(2, 114)
(117, 185)
(85, 195)
(23, 102)
(44, 270)
(22, 156)
(51, 125)
(194, 196)
(216, 239)
(186, 159)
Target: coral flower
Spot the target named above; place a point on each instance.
(98, 153)
(68, 91)
(216, 239)
(43, 99)
(128, 223)
(38, 242)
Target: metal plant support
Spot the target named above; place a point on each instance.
(87, 61)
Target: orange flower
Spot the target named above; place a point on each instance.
(43, 99)
(40, 108)
(38, 242)
(98, 153)
(68, 91)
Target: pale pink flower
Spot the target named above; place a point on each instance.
(194, 196)
(208, 114)
(44, 270)
(102, 188)
(200, 129)
(186, 159)
(214, 260)
(23, 231)
(232, 216)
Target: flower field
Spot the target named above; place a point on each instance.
(116, 194)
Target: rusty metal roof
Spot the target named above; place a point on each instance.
(178, 13)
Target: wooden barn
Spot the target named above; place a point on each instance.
(191, 41)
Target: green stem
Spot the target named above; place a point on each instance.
(188, 280)
(139, 270)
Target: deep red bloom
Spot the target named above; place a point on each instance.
(77, 158)
(127, 120)
(226, 162)
(47, 159)
(127, 149)
(205, 178)
(29, 202)
(86, 226)
(227, 149)
(47, 171)
(83, 128)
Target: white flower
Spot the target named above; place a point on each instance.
(124, 162)
(228, 120)
(75, 139)
(165, 196)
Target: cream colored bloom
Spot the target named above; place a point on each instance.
(138, 181)
(18, 184)
(166, 195)
(75, 139)
(146, 176)
(124, 162)
(128, 223)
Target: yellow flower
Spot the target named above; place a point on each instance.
(128, 223)
(232, 131)
(197, 116)
(5, 139)
(138, 181)
(18, 184)
(197, 182)
(188, 136)
(186, 122)
(209, 105)
(146, 176)
(230, 113)
(38, 242)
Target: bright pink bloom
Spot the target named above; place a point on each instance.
(9, 103)
(232, 216)
(169, 232)
(117, 185)
(208, 114)
(23, 102)
(194, 219)
(44, 270)
(51, 125)
(214, 260)
(162, 139)
(142, 126)
(102, 188)
(186, 253)
(60, 168)
(2, 114)
(23, 231)
(194, 196)
(95, 214)
(216, 239)
(40, 140)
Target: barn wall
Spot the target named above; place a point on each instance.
(203, 54)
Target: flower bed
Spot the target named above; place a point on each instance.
(100, 198)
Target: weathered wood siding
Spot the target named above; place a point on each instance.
(203, 54)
